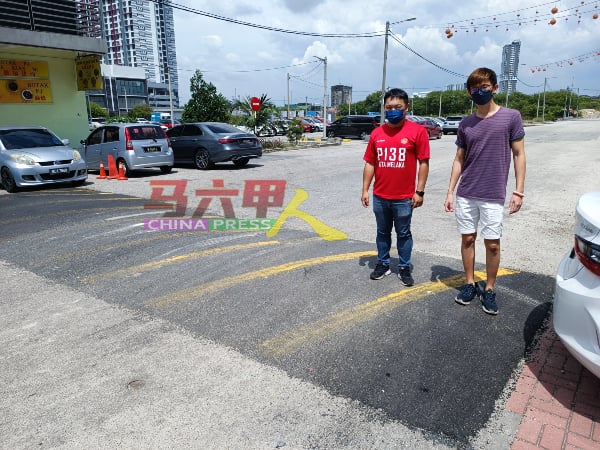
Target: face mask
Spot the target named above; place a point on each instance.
(394, 116)
(481, 97)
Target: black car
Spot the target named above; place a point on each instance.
(207, 143)
(353, 126)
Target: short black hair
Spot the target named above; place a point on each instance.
(396, 93)
(481, 75)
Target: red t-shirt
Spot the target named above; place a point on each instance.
(394, 153)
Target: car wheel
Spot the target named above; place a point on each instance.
(363, 135)
(439, 136)
(202, 159)
(165, 169)
(8, 181)
(445, 132)
(331, 134)
(240, 162)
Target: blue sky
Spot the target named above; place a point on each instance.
(242, 60)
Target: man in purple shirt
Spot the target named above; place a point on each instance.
(485, 141)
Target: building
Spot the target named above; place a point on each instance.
(42, 44)
(141, 33)
(510, 67)
(123, 88)
(340, 95)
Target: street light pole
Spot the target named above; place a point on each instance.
(324, 59)
(544, 101)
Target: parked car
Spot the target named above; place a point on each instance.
(33, 156)
(433, 129)
(353, 126)
(207, 143)
(136, 145)
(95, 122)
(317, 124)
(451, 124)
(576, 312)
(168, 123)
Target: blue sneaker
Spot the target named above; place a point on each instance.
(467, 293)
(488, 302)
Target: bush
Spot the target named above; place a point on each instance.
(294, 132)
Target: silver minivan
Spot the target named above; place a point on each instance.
(136, 145)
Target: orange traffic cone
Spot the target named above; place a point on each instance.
(122, 171)
(102, 175)
(113, 172)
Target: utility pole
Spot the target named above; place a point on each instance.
(324, 95)
(385, 50)
(544, 102)
(288, 96)
(170, 96)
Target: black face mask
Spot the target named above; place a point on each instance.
(481, 97)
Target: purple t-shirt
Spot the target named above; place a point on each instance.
(487, 154)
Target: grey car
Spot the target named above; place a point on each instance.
(135, 145)
(206, 143)
(33, 156)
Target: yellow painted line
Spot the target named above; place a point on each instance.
(176, 259)
(349, 318)
(198, 291)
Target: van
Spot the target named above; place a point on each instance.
(353, 126)
(135, 145)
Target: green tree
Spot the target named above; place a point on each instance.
(262, 117)
(205, 104)
(141, 111)
(98, 111)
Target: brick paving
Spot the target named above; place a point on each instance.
(558, 399)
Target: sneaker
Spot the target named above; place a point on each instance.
(467, 293)
(381, 270)
(488, 302)
(405, 276)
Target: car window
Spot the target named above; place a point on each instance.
(223, 128)
(454, 118)
(191, 130)
(111, 134)
(26, 138)
(145, 132)
(95, 137)
(175, 131)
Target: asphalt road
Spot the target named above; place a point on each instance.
(114, 334)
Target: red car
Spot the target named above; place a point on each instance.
(433, 128)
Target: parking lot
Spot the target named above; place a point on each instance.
(249, 339)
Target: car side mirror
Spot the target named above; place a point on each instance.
(82, 142)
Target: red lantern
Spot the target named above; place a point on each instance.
(448, 31)
(595, 16)
(449, 35)
(552, 21)
(554, 10)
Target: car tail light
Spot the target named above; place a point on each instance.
(227, 141)
(166, 137)
(128, 142)
(589, 254)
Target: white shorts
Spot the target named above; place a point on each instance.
(473, 213)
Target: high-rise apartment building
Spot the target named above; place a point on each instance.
(340, 95)
(141, 33)
(510, 67)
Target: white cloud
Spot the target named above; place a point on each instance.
(245, 60)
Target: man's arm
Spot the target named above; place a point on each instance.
(518, 151)
(368, 173)
(454, 177)
(422, 175)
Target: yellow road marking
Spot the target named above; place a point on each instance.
(198, 291)
(174, 259)
(344, 320)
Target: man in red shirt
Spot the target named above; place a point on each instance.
(393, 153)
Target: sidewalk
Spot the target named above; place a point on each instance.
(558, 399)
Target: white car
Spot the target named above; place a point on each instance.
(576, 314)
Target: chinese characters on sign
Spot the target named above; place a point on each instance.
(24, 82)
(259, 194)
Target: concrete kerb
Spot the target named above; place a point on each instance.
(309, 143)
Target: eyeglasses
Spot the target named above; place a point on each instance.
(391, 107)
(483, 87)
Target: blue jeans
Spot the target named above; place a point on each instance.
(396, 213)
